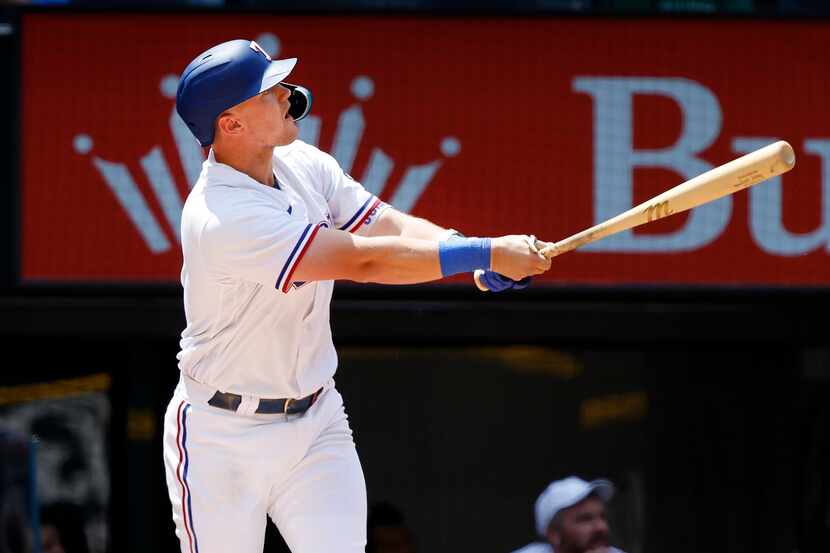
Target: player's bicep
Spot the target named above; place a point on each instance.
(389, 223)
(392, 222)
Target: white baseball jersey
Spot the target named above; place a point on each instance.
(251, 328)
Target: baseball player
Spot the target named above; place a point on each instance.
(256, 427)
(570, 517)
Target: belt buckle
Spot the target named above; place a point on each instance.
(288, 405)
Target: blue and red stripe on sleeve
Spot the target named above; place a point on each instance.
(300, 248)
(362, 215)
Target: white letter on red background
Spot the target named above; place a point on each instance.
(766, 208)
(615, 158)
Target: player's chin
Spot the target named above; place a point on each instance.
(287, 135)
(290, 127)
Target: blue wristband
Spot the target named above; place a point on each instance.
(463, 255)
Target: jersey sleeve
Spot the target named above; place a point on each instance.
(353, 208)
(265, 246)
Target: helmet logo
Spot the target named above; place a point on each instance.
(257, 48)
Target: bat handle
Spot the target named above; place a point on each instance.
(548, 249)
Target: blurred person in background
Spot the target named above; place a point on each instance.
(571, 518)
(387, 531)
(62, 529)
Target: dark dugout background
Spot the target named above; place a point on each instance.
(706, 406)
(716, 437)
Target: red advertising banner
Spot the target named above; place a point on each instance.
(491, 126)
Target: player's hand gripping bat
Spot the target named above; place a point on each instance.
(746, 171)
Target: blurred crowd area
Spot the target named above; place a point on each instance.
(608, 7)
(693, 450)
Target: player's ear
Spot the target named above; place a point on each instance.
(228, 123)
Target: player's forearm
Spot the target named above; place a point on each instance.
(396, 260)
(394, 223)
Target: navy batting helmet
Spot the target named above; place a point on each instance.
(226, 75)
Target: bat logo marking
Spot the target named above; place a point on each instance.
(658, 210)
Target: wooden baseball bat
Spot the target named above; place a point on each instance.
(758, 166)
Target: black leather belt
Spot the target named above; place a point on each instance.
(231, 402)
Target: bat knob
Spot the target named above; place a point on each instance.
(477, 278)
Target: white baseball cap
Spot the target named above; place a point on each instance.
(565, 493)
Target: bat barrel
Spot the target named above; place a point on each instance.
(786, 153)
(740, 173)
(760, 165)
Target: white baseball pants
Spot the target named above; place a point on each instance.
(226, 471)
